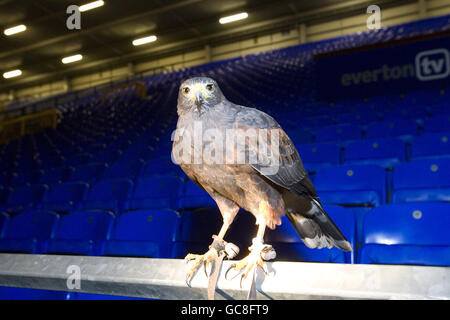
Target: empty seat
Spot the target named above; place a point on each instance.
(24, 178)
(79, 159)
(320, 155)
(431, 145)
(338, 133)
(148, 233)
(155, 192)
(65, 197)
(408, 112)
(407, 233)
(194, 197)
(290, 247)
(161, 166)
(392, 129)
(108, 194)
(352, 185)
(195, 231)
(4, 219)
(25, 232)
(359, 118)
(422, 180)
(383, 152)
(81, 232)
(124, 169)
(13, 293)
(437, 124)
(55, 175)
(301, 136)
(107, 156)
(88, 173)
(25, 198)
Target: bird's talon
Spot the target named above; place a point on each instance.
(243, 276)
(204, 268)
(187, 280)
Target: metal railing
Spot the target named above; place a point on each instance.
(165, 279)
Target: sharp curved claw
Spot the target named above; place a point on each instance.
(228, 270)
(204, 267)
(187, 281)
(242, 278)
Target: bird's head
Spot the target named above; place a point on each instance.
(198, 95)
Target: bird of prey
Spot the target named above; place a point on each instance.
(208, 157)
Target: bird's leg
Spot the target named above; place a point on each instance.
(259, 252)
(218, 246)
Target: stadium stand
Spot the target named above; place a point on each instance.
(102, 182)
(411, 233)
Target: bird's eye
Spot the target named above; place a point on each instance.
(186, 90)
(210, 87)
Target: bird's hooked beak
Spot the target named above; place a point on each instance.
(198, 99)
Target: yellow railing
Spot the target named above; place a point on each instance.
(33, 123)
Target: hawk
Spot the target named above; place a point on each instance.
(268, 181)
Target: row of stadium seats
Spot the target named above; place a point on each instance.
(364, 185)
(413, 233)
(393, 128)
(383, 152)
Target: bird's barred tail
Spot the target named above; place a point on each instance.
(316, 228)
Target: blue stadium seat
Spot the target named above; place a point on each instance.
(319, 156)
(148, 233)
(108, 194)
(338, 133)
(359, 118)
(431, 145)
(195, 231)
(65, 196)
(79, 159)
(124, 169)
(55, 175)
(290, 247)
(13, 293)
(25, 198)
(437, 124)
(301, 136)
(88, 173)
(155, 192)
(407, 233)
(80, 232)
(422, 180)
(194, 197)
(407, 112)
(383, 152)
(92, 296)
(352, 185)
(24, 178)
(392, 128)
(161, 166)
(26, 231)
(4, 219)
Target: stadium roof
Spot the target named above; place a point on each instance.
(106, 34)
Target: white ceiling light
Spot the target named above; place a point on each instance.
(71, 59)
(14, 30)
(235, 17)
(145, 40)
(90, 6)
(12, 74)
